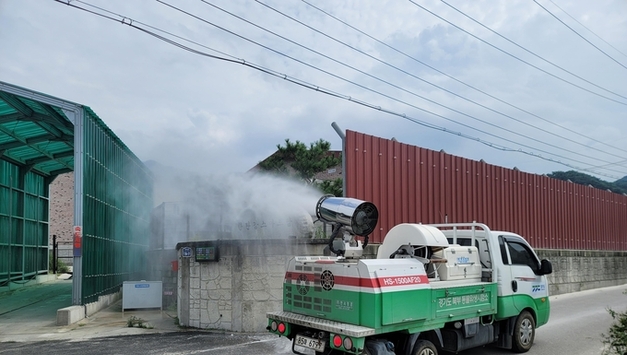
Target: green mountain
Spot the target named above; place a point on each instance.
(618, 186)
(622, 183)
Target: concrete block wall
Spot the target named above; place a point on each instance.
(236, 292)
(578, 270)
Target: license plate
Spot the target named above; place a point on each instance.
(472, 320)
(309, 343)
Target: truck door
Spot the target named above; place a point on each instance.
(522, 264)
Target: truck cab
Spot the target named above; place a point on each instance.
(509, 260)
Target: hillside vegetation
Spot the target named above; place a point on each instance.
(618, 186)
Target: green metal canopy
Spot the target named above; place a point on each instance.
(35, 135)
(42, 136)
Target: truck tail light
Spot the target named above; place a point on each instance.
(275, 326)
(348, 343)
(337, 341)
(281, 327)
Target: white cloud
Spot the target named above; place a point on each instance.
(189, 111)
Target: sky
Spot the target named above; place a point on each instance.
(538, 85)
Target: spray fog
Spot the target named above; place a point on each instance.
(237, 206)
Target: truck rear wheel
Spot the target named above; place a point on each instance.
(524, 332)
(424, 347)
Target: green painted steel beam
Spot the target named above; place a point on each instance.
(56, 156)
(60, 171)
(28, 141)
(15, 102)
(58, 119)
(11, 117)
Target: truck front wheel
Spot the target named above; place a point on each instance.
(424, 347)
(524, 332)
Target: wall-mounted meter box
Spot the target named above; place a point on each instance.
(207, 253)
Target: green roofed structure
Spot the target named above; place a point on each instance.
(41, 137)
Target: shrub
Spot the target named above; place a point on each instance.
(62, 267)
(616, 340)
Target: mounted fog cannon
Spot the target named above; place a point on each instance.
(360, 216)
(350, 217)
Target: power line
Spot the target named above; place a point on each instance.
(132, 23)
(124, 19)
(616, 163)
(529, 51)
(369, 89)
(462, 82)
(518, 58)
(416, 77)
(584, 26)
(579, 34)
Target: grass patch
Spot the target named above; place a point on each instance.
(137, 322)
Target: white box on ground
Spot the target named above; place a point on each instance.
(142, 294)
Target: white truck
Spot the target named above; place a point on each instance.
(431, 288)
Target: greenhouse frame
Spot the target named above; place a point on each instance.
(41, 137)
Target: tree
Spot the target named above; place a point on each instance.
(333, 187)
(622, 183)
(585, 179)
(298, 160)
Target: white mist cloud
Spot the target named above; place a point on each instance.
(233, 206)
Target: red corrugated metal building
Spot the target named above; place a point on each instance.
(410, 184)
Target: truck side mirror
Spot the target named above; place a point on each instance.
(546, 267)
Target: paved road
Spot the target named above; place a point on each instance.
(577, 321)
(29, 314)
(30, 311)
(186, 343)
